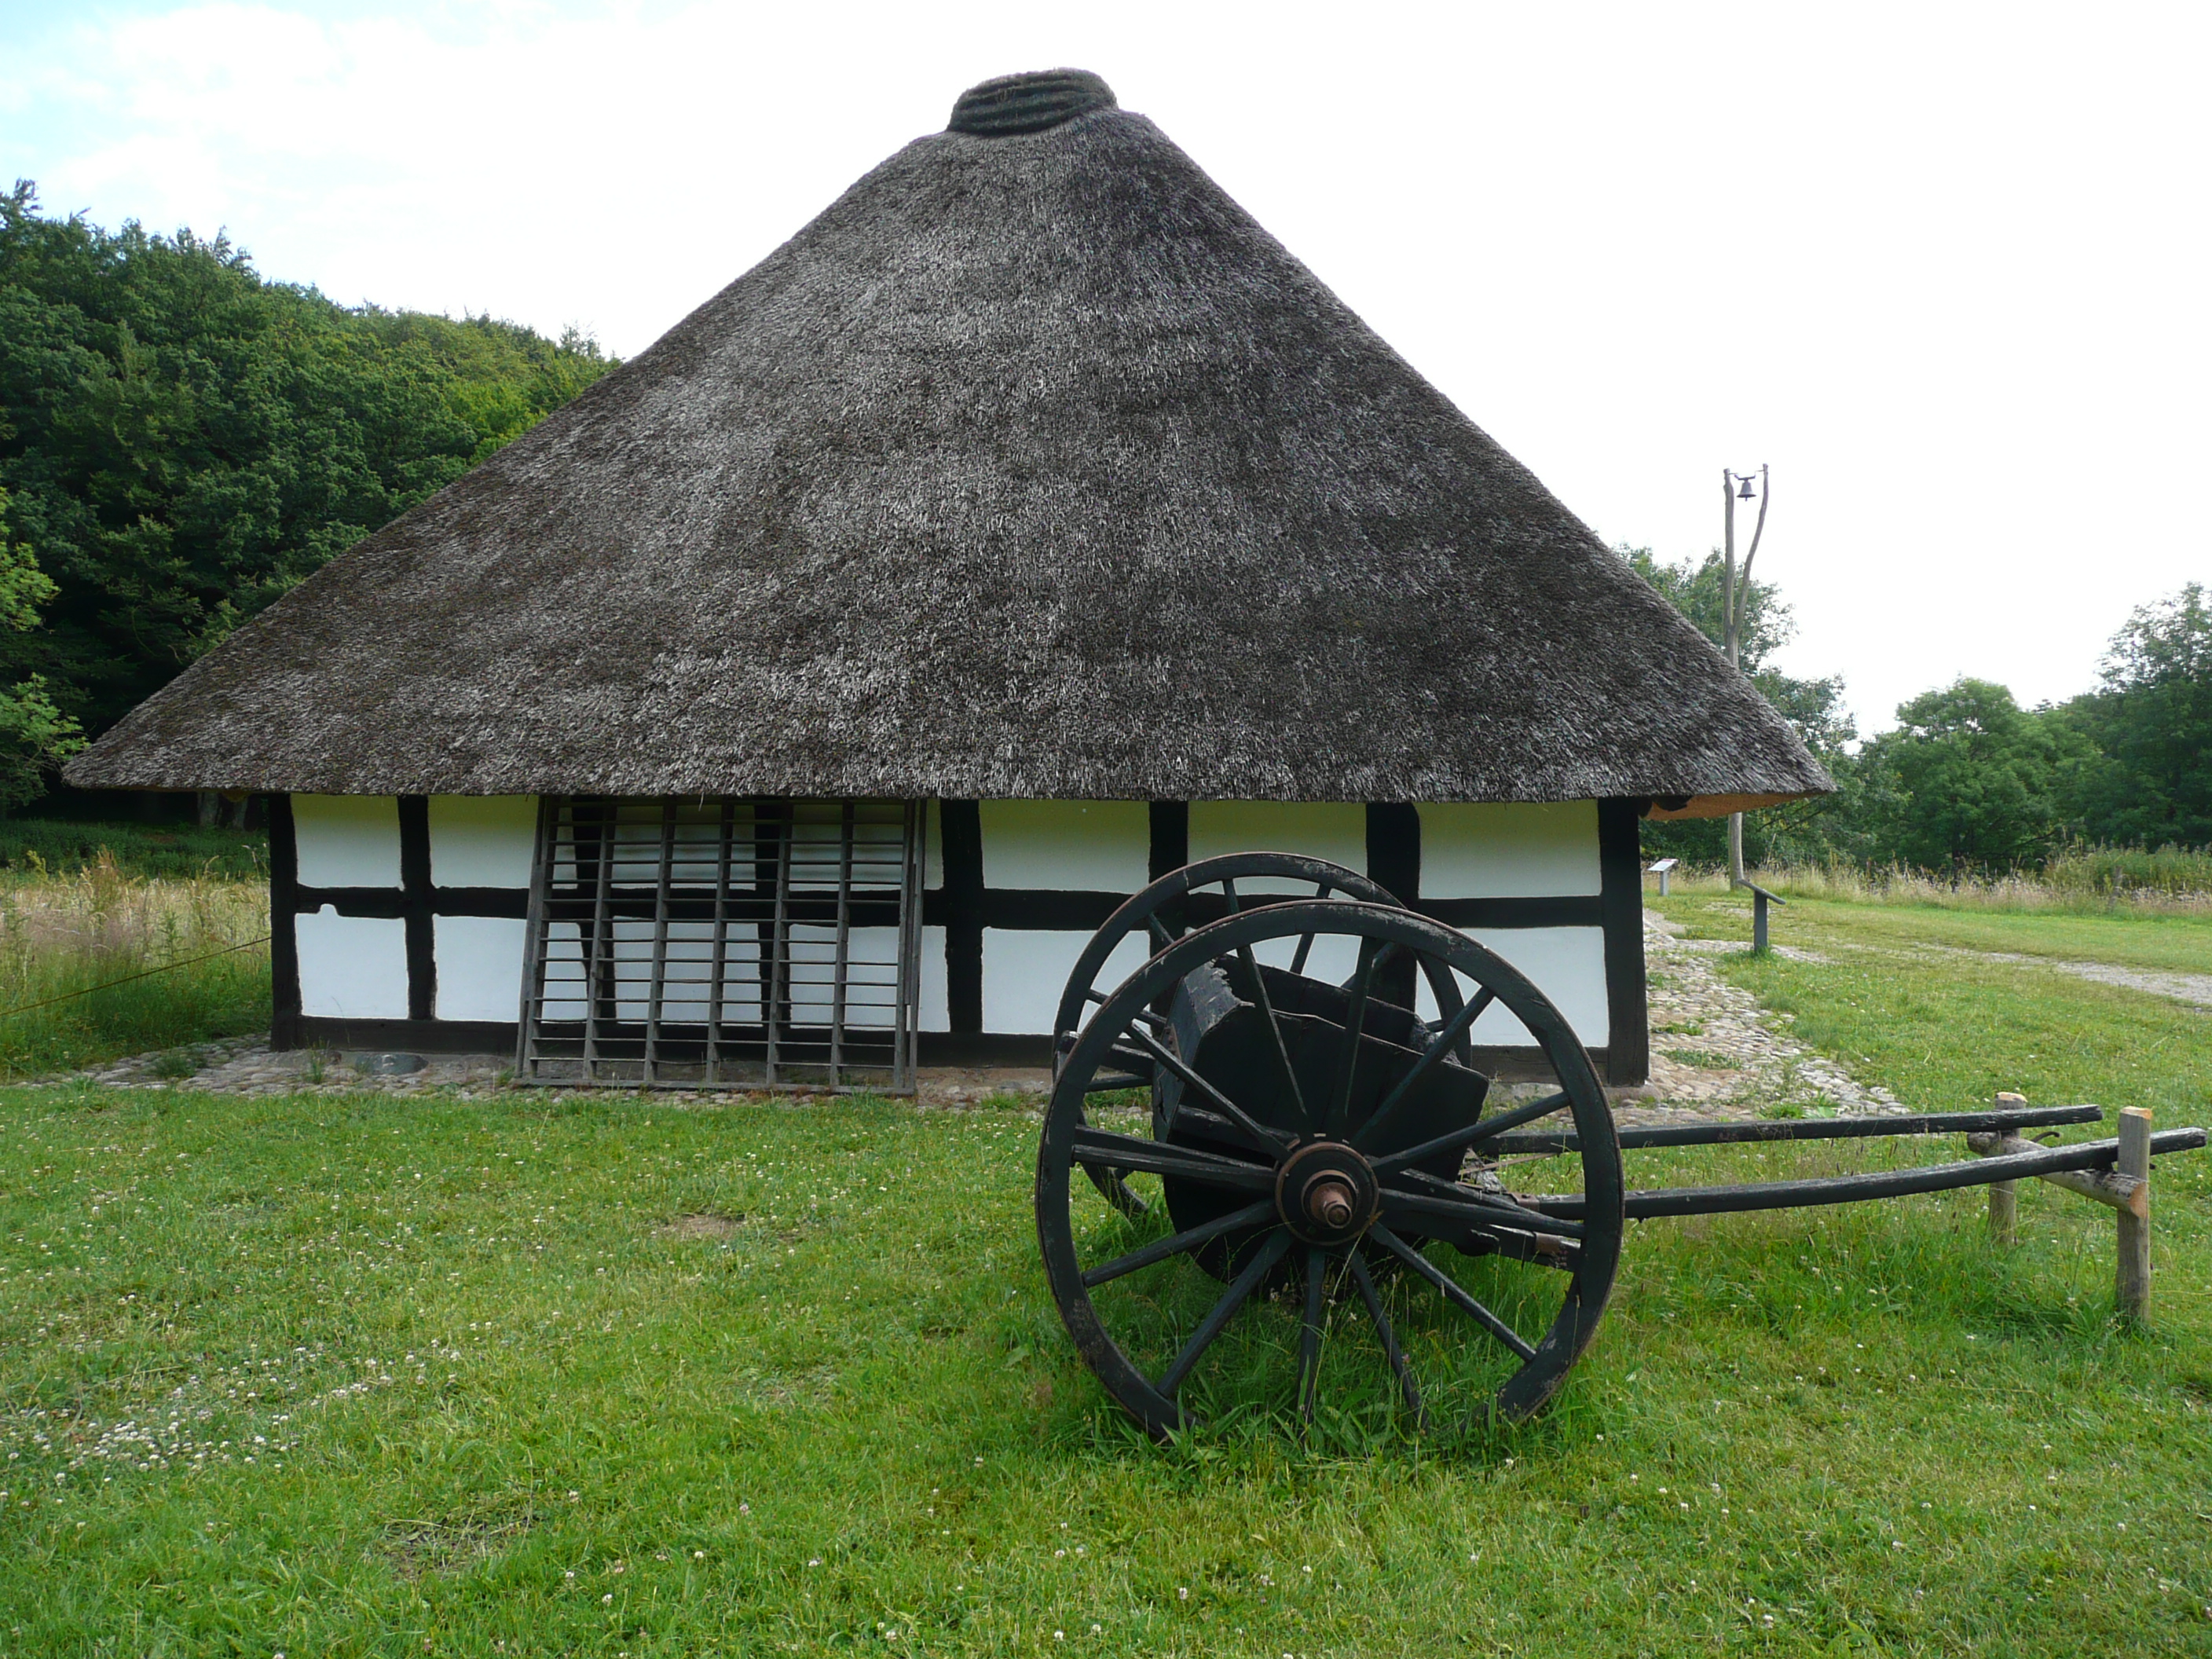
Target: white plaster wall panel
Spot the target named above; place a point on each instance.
(936, 998)
(933, 845)
(688, 973)
(482, 841)
(696, 859)
(870, 975)
(871, 983)
(348, 841)
(1123, 960)
(688, 981)
(1025, 973)
(1509, 849)
(1335, 830)
(1067, 846)
(479, 966)
(1334, 956)
(352, 967)
(564, 971)
(1568, 966)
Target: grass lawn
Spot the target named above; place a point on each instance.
(2173, 942)
(615, 1377)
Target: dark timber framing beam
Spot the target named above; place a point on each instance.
(1621, 892)
(418, 906)
(961, 914)
(283, 937)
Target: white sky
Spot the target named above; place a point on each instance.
(1942, 267)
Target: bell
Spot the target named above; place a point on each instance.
(1744, 494)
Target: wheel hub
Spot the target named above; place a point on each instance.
(1327, 1193)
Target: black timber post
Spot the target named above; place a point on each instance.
(1393, 849)
(1170, 837)
(1394, 862)
(1621, 877)
(416, 905)
(283, 925)
(961, 829)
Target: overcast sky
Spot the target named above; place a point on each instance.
(1944, 268)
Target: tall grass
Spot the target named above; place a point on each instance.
(179, 851)
(2090, 880)
(100, 962)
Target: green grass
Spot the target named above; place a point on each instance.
(99, 962)
(508, 1400)
(1949, 1033)
(173, 851)
(2175, 944)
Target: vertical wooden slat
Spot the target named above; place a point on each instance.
(778, 1011)
(839, 969)
(719, 949)
(907, 993)
(658, 993)
(533, 937)
(601, 959)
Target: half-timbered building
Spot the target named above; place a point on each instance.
(792, 706)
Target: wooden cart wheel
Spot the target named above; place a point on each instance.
(1317, 1148)
(1161, 913)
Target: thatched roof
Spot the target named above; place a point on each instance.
(1033, 467)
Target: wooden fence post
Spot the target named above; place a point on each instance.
(2004, 1195)
(2132, 1287)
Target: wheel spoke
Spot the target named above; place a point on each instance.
(1267, 1013)
(1189, 1239)
(1310, 1332)
(1455, 1029)
(1339, 1106)
(1261, 1264)
(1275, 1032)
(1321, 891)
(1127, 1154)
(1161, 938)
(1396, 1354)
(1467, 1136)
(1453, 1292)
(1455, 1203)
(1110, 1082)
(1243, 1119)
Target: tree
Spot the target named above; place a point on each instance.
(186, 441)
(1815, 709)
(2151, 781)
(1968, 779)
(35, 736)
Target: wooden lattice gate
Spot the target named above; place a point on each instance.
(723, 944)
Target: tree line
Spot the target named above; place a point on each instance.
(182, 441)
(1968, 781)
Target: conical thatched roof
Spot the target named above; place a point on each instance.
(1033, 467)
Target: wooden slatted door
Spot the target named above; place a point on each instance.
(723, 944)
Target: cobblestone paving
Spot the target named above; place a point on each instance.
(1714, 1055)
